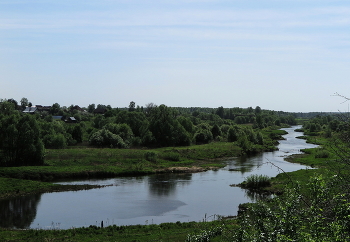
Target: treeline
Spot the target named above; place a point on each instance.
(325, 125)
(25, 136)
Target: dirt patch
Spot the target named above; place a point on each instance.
(192, 169)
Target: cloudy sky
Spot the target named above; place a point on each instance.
(289, 55)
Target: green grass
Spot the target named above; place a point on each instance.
(98, 163)
(164, 232)
(10, 187)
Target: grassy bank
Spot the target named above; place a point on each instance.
(163, 232)
(10, 187)
(87, 163)
(322, 161)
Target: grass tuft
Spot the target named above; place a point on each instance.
(256, 182)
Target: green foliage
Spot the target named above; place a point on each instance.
(205, 235)
(216, 131)
(55, 141)
(234, 133)
(203, 136)
(321, 214)
(260, 138)
(322, 153)
(166, 129)
(105, 138)
(245, 144)
(20, 141)
(152, 232)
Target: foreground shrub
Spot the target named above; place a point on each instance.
(320, 214)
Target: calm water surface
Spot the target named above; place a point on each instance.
(151, 199)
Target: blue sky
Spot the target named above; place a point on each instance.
(276, 54)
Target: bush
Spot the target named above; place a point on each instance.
(321, 153)
(57, 141)
(203, 136)
(105, 138)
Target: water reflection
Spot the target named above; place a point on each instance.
(18, 212)
(164, 185)
(244, 164)
(257, 196)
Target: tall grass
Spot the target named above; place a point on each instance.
(256, 181)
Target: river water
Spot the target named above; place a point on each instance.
(151, 199)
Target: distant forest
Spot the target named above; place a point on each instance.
(27, 130)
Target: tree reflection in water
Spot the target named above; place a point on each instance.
(256, 196)
(163, 185)
(18, 212)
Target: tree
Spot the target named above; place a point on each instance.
(123, 130)
(132, 106)
(91, 108)
(149, 108)
(20, 141)
(220, 112)
(234, 133)
(216, 131)
(105, 138)
(55, 108)
(136, 120)
(24, 103)
(186, 123)
(13, 102)
(77, 133)
(166, 129)
(257, 110)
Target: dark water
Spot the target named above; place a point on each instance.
(151, 199)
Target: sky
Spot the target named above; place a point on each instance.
(283, 55)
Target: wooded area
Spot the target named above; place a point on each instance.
(25, 135)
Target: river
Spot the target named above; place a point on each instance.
(151, 199)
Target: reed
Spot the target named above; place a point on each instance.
(256, 181)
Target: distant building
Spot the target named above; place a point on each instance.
(71, 120)
(30, 110)
(43, 108)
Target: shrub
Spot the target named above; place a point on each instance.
(203, 136)
(105, 138)
(321, 153)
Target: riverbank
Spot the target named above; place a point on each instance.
(11, 187)
(91, 163)
(162, 232)
(322, 160)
